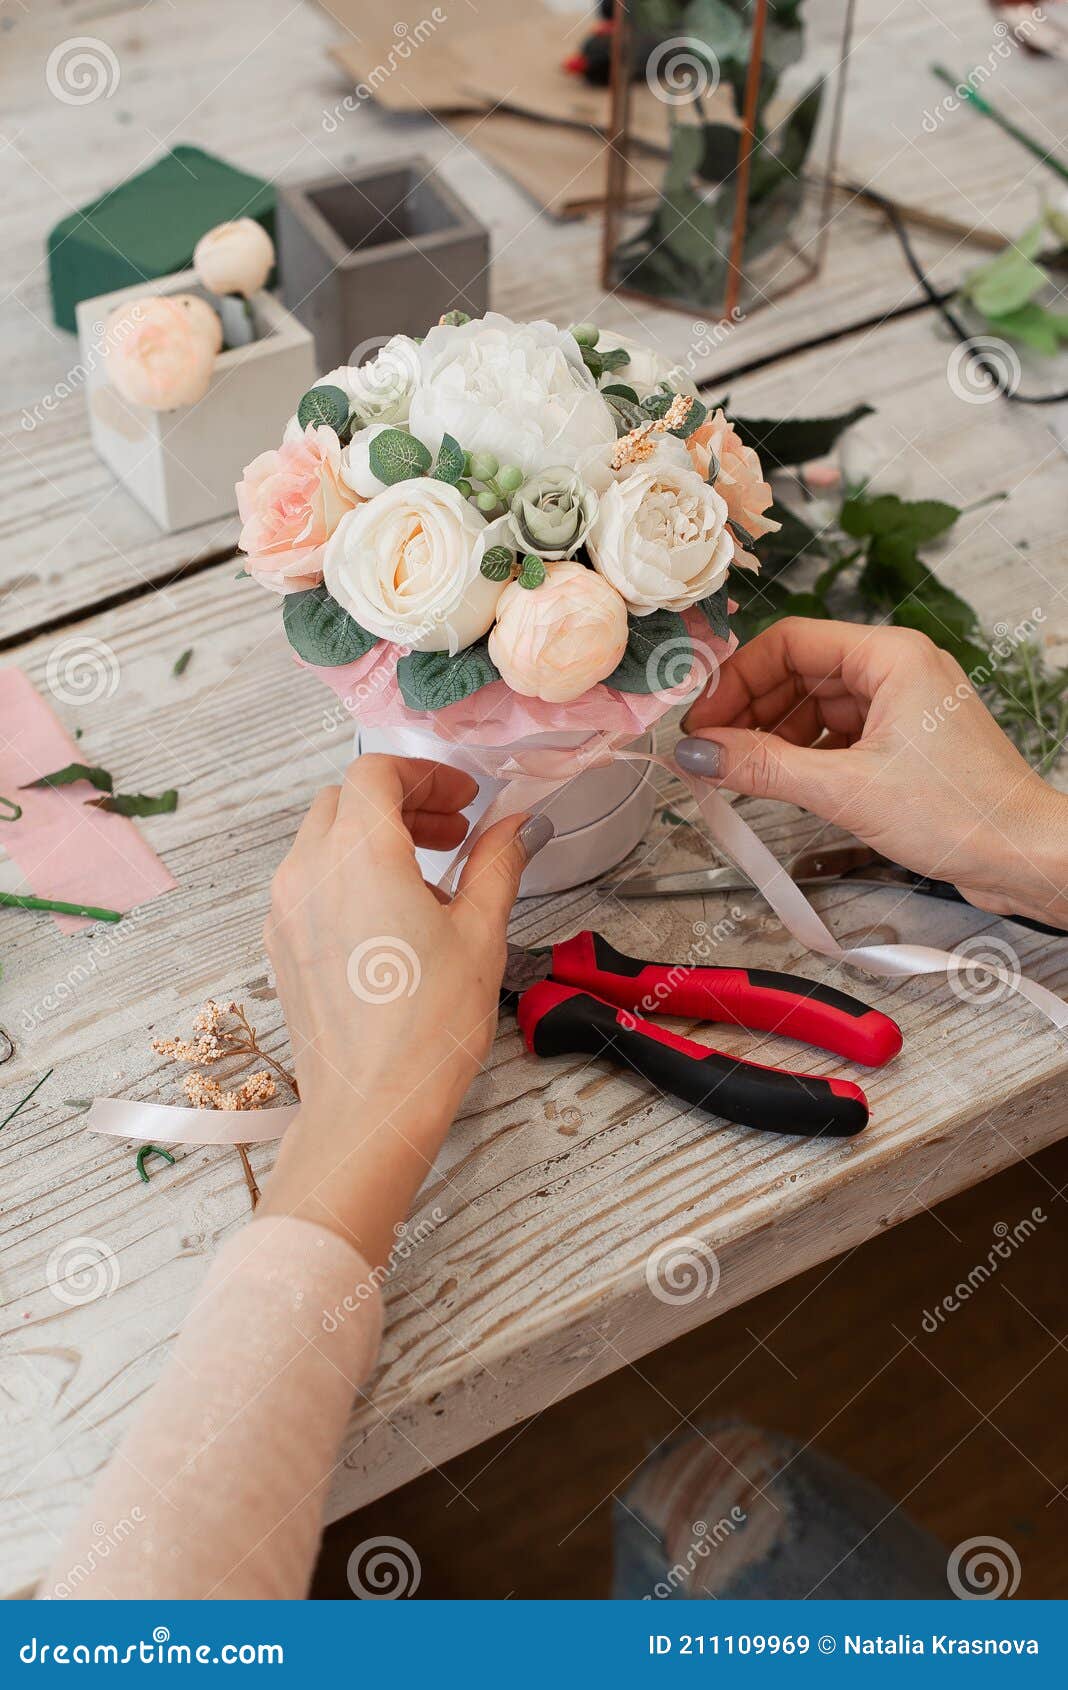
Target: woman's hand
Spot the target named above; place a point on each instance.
(880, 732)
(389, 989)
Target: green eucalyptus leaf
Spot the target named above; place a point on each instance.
(593, 361)
(626, 414)
(620, 390)
(325, 406)
(432, 680)
(795, 439)
(321, 632)
(614, 360)
(451, 458)
(657, 405)
(715, 608)
(498, 563)
(658, 655)
(396, 456)
(532, 573)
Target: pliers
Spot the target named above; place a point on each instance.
(582, 996)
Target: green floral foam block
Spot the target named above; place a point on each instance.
(148, 226)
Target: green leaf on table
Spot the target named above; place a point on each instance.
(794, 440)
(181, 664)
(659, 653)
(396, 456)
(715, 608)
(1009, 280)
(1035, 326)
(100, 778)
(321, 632)
(432, 680)
(497, 564)
(136, 803)
(324, 406)
(913, 521)
(449, 465)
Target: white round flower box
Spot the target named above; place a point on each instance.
(599, 816)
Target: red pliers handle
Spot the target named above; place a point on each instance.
(588, 1005)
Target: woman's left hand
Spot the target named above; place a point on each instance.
(389, 989)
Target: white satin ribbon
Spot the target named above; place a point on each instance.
(531, 776)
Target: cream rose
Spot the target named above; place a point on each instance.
(645, 368)
(660, 534)
(406, 566)
(556, 641)
(519, 391)
(380, 389)
(234, 257)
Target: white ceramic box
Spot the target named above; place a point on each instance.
(183, 465)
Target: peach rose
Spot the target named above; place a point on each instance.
(160, 352)
(740, 482)
(290, 501)
(556, 641)
(234, 257)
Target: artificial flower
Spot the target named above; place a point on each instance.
(234, 257)
(356, 469)
(291, 501)
(203, 319)
(159, 353)
(406, 566)
(550, 514)
(380, 389)
(517, 391)
(740, 481)
(646, 370)
(660, 535)
(556, 641)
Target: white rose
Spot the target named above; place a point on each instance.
(646, 368)
(517, 390)
(406, 566)
(356, 471)
(380, 389)
(660, 534)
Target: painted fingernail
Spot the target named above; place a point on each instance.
(699, 757)
(534, 834)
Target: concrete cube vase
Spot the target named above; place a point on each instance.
(375, 253)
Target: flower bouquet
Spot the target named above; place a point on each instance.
(505, 538)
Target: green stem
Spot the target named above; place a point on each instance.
(25, 1100)
(19, 901)
(14, 810)
(967, 92)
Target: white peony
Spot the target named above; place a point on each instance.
(406, 566)
(660, 534)
(517, 390)
(646, 368)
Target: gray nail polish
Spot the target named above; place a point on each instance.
(699, 757)
(535, 833)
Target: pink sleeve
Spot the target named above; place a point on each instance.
(218, 1489)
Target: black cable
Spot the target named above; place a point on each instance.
(966, 340)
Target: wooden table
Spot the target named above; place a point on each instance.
(528, 1279)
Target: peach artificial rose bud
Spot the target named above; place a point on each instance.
(160, 351)
(234, 258)
(556, 641)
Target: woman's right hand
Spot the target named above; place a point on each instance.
(882, 733)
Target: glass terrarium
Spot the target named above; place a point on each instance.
(724, 128)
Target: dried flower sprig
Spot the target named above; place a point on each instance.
(219, 1034)
(640, 443)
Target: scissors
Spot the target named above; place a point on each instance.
(581, 997)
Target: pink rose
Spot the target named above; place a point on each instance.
(290, 501)
(740, 482)
(556, 641)
(160, 351)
